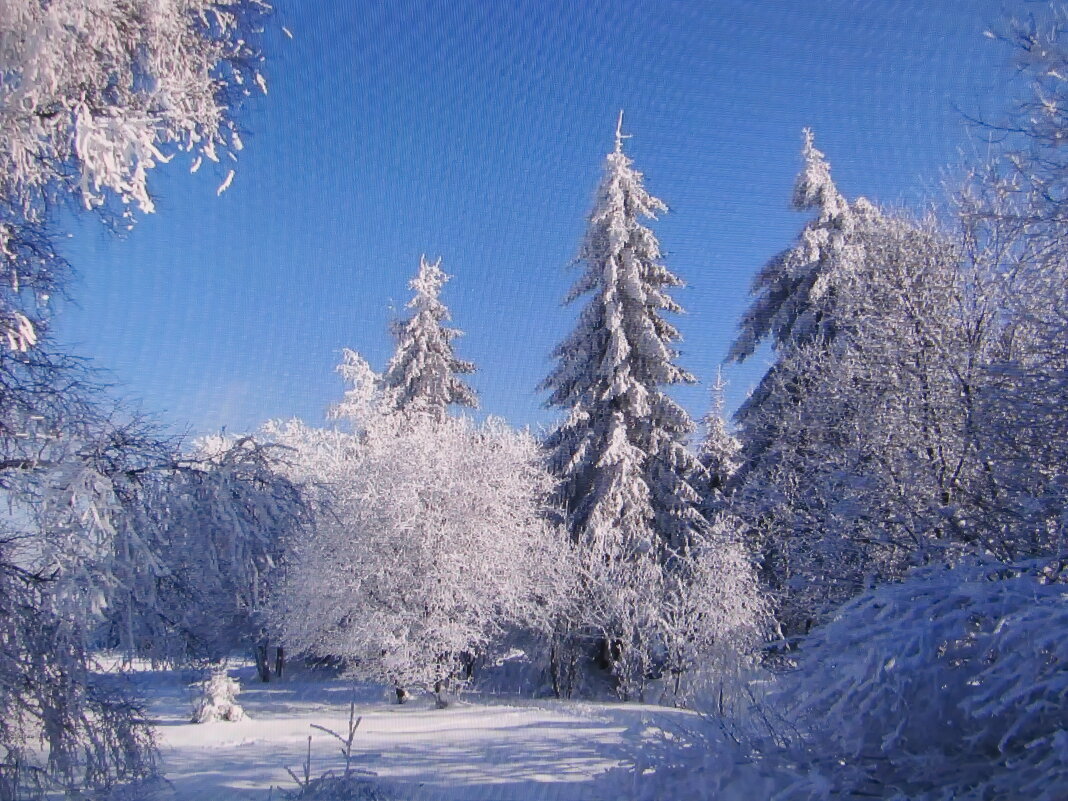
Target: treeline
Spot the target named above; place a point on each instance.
(888, 516)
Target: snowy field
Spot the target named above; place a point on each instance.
(478, 749)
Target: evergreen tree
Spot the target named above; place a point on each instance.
(796, 302)
(423, 374)
(719, 450)
(797, 307)
(620, 455)
(630, 490)
(795, 291)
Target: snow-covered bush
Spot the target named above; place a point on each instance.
(952, 684)
(712, 619)
(689, 625)
(218, 700)
(431, 540)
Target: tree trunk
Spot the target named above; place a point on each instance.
(468, 662)
(554, 670)
(263, 667)
(563, 668)
(441, 691)
(279, 661)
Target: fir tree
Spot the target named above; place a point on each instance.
(620, 453)
(795, 291)
(719, 450)
(795, 304)
(795, 307)
(423, 374)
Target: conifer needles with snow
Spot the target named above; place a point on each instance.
(423, 375)
(619, 454)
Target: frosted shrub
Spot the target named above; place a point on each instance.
(431, 544)
(219, 699)
(952, 684)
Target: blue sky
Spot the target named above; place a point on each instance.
(476, 131)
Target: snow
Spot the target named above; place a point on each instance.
(480, 748)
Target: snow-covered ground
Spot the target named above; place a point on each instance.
(476, 750)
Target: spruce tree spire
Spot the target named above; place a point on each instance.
(619, 454)
(423, 374)
(719, 449)
(620, 136)
(795, 291)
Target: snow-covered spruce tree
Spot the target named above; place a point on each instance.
(795, 291)
(423, 375)
(218, 699)
(719, 449)
(796, 297)
(625, 474)
(620, 453)
(796, 307)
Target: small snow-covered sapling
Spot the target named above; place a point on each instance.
(219, 699)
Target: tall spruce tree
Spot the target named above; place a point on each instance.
(423, 375)
(620, 455)
(795, 291)
(796, 294)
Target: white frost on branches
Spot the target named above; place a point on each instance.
(619, 454)
(96, 93)
(423, 375)
(432, 539)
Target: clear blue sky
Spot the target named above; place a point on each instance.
(476, 131)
